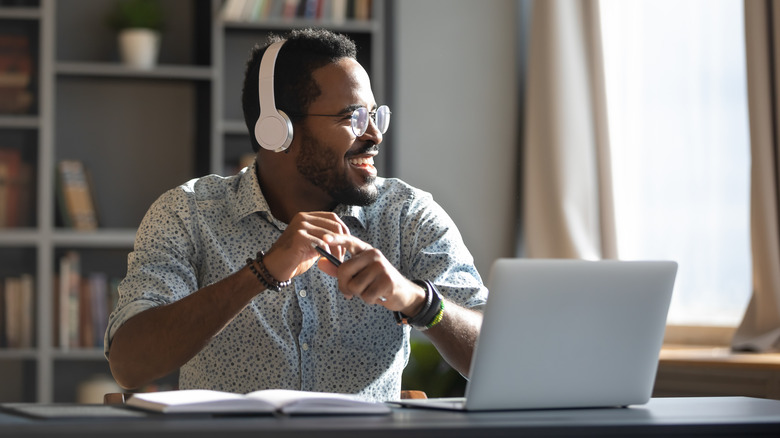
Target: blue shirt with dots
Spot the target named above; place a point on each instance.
(308, 336)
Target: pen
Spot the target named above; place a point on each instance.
(328, 256)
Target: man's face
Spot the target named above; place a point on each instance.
(330, 156)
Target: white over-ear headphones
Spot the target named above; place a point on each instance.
(273, 130)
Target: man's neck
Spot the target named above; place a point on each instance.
(287, 197)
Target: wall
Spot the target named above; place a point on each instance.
(455, 114)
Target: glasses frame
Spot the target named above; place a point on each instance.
(355, 116)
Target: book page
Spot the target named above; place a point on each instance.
(200, 401)
(265, 401)
(306, 402)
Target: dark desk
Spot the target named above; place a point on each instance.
(711, 417)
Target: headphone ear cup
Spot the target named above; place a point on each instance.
(274, 131)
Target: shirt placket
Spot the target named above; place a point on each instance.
(306, 340)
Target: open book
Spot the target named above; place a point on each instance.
(266, 401)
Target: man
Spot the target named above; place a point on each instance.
(197, 299)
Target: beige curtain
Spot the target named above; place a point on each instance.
(567, 209)
(760, 327)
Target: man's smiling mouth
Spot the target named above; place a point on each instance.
(362, 161)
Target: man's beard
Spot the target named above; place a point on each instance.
(320, 165)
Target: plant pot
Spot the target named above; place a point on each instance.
(139, 48)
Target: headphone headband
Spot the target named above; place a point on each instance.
(273, 130)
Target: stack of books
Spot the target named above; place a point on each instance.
(82, 304)
(15, 74)
(333, 11)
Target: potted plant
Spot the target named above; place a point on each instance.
(138, 23)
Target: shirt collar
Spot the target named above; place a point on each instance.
(249, 198)
(359, 213)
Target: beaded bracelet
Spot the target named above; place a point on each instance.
(251, 264)
(265, 277)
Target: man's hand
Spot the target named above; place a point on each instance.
(294, 253)
(367, 275)
(370, 276)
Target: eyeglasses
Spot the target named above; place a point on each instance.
(359, 119)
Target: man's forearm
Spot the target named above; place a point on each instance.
(456, 335)
(159, 341)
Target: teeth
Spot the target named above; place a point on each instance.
(361, 161)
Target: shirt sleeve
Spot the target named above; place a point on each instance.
(160, 268)
(435, 251)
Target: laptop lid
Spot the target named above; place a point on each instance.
(570, 333)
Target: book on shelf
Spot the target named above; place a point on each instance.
(15, 74)
(5, 184)
(67, 299)
(81, 304)
(16, 294)
(335, 11)
(16, 180)
(75, 196)
(85, 329)
(268, 401)
(98, 295)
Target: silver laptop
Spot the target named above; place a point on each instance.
(567, 334)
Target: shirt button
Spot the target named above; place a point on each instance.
(305, 346)
(302, 293)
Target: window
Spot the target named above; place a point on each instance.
(677, 108)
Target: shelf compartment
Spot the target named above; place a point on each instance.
(21, 54)
(82, 295)
(145, 145)
(19, 382)
(19, 157)
(183, 41)
(17, 260)
(19, 283)
(70, 375)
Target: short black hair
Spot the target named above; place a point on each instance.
(304, 51)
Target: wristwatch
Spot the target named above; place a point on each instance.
(431, 313)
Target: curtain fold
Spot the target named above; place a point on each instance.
(760, 326)
(567, 202)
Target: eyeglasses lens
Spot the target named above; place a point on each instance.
(382, 119)
(360, 120)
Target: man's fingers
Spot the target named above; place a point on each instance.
(351, 244)
(327, 221)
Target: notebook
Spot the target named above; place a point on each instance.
(567, 334)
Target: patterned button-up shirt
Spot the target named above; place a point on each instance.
(308, 336)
